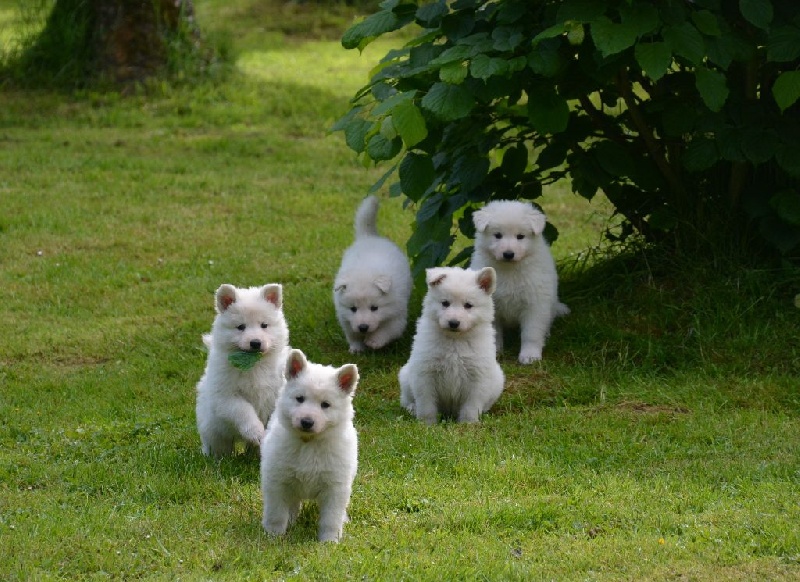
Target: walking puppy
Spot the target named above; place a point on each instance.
(373, 285)
(234, 400)
(310, 450)
(509, 238)
(453, 369)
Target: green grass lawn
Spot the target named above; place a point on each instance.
(659, 439)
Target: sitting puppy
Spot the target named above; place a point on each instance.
(310, 450)
(234, 403)
(453, 369)
(509, 238)
(373, 285)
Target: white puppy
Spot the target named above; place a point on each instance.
(453, 369)
(310, 450)
(235, 401)
(373, 285)
(509, 238)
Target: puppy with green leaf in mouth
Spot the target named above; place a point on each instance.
(247, 350)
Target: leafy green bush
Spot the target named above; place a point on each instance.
(683, 113)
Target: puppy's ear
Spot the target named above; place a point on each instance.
(487, 280)
(225, 297)
(480, 218)
(383, 283)
(340, 284)
(434, 276)
(537, 221)
(347, 378)
(273, 293)
(295, 363)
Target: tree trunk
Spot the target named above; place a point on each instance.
(122, 41)
(131, 37)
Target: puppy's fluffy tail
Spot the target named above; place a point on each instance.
(367, 217)
(561, 309)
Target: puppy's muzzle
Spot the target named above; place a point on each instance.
(363, 328)
(453, 324)
(306, 424)
(255, 345)
(508, 255)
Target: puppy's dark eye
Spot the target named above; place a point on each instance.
(300, 399)
(498, 235)
(373, 308)
(520, 236)
(264, 326)
(241, 327)
(354, 309)
(468, 306)
(325, 404)
(445, 304)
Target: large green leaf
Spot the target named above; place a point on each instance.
(548, 112)
(416, 174)
(614, 158)
(788, 158)
(430, 15)
(362, 33)
(654, 58)
(448, 102)
(389, 103)
(469, 172)
(706, 22)
(783, 237)
(545, 59)
(454, 73)
(757, 12)
(515, 160)
(783, 45)
(712, 87)
(641, 17)
(507, 38)
(786, 89)
(380, 148)
(355, 134)
(787, 205)
(244, 361)
(485, 67)
(611, 38)
(409, 123)
(685, 41)
(701, 154)
(580, 10)
(759, 144)
(458, 53)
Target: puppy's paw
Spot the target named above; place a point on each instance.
(254, 434)
(333, 539)
(530, 355)
(356, 348)
(273, 528)
(376, 342)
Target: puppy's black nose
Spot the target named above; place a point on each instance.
(453, 323)
(306, 423)
(363, 328)
(255, 344)
(508, 255)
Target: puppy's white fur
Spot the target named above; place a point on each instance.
(310, 450)
(453, 369)
(509, 239)
(234, 404)
(373, 285)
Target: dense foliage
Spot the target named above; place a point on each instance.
(683, 113)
